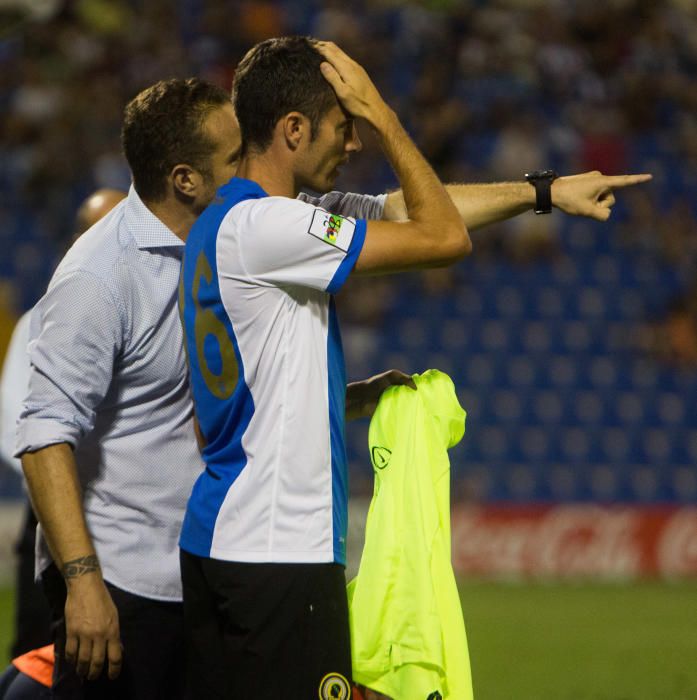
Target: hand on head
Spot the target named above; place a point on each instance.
(353, 87)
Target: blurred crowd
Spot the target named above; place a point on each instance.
(488, 88)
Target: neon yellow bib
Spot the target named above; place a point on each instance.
(408, 637)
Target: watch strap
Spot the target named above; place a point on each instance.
(542, 182)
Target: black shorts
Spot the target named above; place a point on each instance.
(266, 631)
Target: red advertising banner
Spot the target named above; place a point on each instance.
(571, 541)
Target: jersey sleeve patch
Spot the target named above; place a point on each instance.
(333, 229)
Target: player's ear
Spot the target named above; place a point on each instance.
(185, 180)
(295, 128)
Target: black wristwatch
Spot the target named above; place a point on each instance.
(542, 181)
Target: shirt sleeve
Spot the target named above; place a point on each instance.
(13, 388)
(76, 332)
(288, 242)
(359, 206)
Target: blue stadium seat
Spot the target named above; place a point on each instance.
(548, 407)
(683, 483)
(603, 482)
(645, 483)
(522, 481)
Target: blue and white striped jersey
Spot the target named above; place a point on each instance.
(267, 376)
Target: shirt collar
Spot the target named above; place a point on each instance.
(242, 189)
(147, 229)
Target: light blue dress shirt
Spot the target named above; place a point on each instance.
(109, 377)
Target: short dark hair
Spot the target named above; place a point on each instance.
(274, 78)
(162, 126)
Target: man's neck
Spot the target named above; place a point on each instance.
(270, 172)
(177, 217)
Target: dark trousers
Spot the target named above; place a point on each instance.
(32, 615)
(265, 631)
(152, 635)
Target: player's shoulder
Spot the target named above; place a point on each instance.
(270, 207)
(267, 214)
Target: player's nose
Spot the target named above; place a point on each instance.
(354, 143)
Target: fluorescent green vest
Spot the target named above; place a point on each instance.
(407, 633)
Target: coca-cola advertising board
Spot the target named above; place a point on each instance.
(572, 541)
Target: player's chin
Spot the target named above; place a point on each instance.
(326, 183)
(333, 177)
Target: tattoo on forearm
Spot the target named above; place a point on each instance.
(81, 566)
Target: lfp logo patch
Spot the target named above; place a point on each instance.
(333, 225)
(333, 229)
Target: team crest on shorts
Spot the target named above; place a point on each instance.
(334, 687)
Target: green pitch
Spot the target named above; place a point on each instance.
(582, 642)
(567, 642)
(6, 611)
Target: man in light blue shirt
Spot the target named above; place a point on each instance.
(106, 436)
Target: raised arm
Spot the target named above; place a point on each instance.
(587, 194)
(433, 233)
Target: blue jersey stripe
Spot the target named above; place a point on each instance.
(337, 412)
(224, 404)
(349, 262)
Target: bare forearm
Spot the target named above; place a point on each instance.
(585, 194)
(51, 476)
(478, 205)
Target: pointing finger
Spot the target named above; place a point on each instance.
(627, 180)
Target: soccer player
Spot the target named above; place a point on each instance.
(263, 539)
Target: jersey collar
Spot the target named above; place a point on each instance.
(242, 188)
